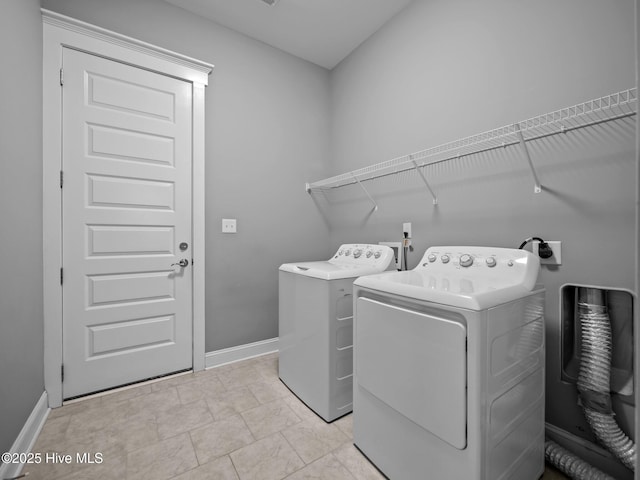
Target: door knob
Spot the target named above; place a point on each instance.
(183, 263)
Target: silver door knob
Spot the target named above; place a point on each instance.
(183, 263)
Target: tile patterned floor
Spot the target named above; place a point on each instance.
(236, 422)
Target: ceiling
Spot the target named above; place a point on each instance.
(320, 31)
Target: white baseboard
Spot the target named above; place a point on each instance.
(241, 352)
(27, 437)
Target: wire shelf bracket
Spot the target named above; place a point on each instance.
(611, 107)
(537, 188)
(424, 179)
(375, 205)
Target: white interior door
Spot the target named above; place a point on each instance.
(126, 203)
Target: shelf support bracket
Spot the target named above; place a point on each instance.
(525, 151)
(415, 165)
(375, 205)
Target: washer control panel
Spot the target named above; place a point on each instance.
(362, 254)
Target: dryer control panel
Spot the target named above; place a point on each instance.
(513, 266)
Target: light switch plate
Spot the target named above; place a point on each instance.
(228, 225)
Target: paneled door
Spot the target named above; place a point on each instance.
(126, 224)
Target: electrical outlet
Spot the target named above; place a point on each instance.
(406, 228)
(228, 225)
(556, 258)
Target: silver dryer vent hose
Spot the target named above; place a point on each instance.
(594, 376)
(570, 464)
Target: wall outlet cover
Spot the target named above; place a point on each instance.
(556, 258)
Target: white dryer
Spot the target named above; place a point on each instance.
(449, 367)
(316, 325)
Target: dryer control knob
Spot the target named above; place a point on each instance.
(432, 257)
(445, 258)
(369, 253)
(347, 252)
(377, 254)
(491, 261)
(357, 253)
(466, 260)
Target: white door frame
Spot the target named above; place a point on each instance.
(61, 32)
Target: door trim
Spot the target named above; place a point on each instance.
(61, 32)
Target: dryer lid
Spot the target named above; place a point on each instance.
(475, 278)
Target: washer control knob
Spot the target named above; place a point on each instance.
(432, 257)
(347, 252)
(466, 260)
(369, 253)
(510, 263)
(491, 261)
(377, 254)
(445, 258)
(357, 253)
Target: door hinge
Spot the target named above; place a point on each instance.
(61, 178)
(62, 372)
(61, 275)
(61, 77)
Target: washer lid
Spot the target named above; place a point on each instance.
(330, 271)
(474, 278)
(350, 261)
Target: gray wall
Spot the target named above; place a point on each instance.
(443, 70)
(439, 71)
(21, 318)
(267, 132)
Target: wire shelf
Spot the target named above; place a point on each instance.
(604, 109)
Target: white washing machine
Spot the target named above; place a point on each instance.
(449, 367)
(316, 325)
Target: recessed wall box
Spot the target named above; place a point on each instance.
(397, 252)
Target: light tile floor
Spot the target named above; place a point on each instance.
(236, 422)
